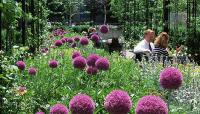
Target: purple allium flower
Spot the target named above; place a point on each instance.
(92, 70)
(79, 62)
(70, 40)
(32, 71)
(171, 78)
(73, 45)
(118, 102)
(84, 41)
(21, 65)
(76, 54)
(102, 64)
(81, 104)
(58, 43)
(95, 38)
(151, 105)
(39, 113)
(59, 109)
(77, 38)
(104, 29)
(91, 59)
(53, 63)
(63, 40)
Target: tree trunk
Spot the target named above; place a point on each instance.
(166, 15)
(23, 23)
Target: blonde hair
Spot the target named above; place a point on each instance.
(148, 31)
(162, 40)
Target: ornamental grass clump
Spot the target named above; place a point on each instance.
(151, 105)
(21, 65)
(118, 102)
(171, 78)
(53, 64)
(59, 109)
(79, 62)
(82, 104)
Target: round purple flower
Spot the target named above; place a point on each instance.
(104, 29)
(32, 71)
(95, 38)
(76, 54)
(171, 78)
(63, 40)
(77, 38)
(118, 102)
(70, 40)
(81, 104)
(59, 109)
(58, 43)
(39, 113)
(92, 70)
(102, 64)
(151, 105)
(53, 47)
(53, 63)
(91, 59)
(84, 41)
(79, 62)
(73, 45)
(21, 65)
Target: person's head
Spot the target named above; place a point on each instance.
(149, 35)
(94, 30)
(162, 40)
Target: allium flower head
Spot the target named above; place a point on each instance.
(91, 59)
(102, 64)
(44, 50)
(76, 54)
(81, 104)
(70, 40)
(53, 47)
(39, 113)
(32, 71)
(63, 40)
(118, 102)
(79, 62)
(95, 38)
(171, 78)
(53, 63)
(59, 109)
(58, 43)
(21, 90)
(77, 38)
(151, 105)
(84, 41)
(21, 65)
(92, 70)
(104, 29)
